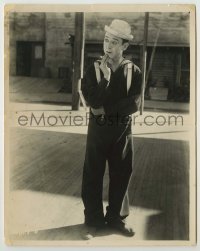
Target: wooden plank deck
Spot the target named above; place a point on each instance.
(45, 186)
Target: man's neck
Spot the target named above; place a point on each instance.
(115, 63)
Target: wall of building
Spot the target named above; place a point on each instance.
(163, 70)
(24, 27)
(51, 28)
(58, 28)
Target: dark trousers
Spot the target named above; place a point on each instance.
(111, 142)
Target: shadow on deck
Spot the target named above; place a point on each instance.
(51, 162)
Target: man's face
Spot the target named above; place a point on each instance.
(113, 46)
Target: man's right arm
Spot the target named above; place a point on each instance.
(93, 92)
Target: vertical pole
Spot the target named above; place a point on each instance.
(144, 59)
(178, 70)
(45, 38)
(78, 58)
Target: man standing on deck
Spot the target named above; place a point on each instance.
(112, 88)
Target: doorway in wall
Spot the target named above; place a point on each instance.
(30, 58)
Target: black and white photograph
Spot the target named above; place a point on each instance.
(100, 111)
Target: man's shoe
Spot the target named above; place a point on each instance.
(121, 227)
(88, 232)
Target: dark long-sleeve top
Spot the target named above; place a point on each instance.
(112, 95)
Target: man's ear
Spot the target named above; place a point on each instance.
(125, 46)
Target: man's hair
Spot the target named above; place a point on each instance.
(124, 41)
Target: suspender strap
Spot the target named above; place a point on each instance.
(129, 76)
(97, 70)
(81, 94)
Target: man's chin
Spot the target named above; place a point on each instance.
(110, 60)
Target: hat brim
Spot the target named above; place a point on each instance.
(117, 34)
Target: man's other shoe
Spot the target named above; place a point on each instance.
(122, 227)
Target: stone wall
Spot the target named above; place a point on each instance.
(24, 27)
